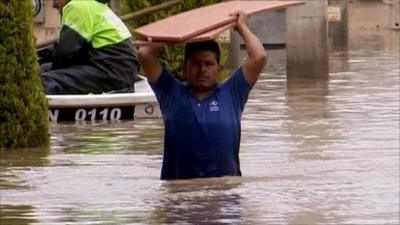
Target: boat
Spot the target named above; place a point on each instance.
(141, 104)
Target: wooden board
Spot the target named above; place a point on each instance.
(210, 35)
(195, 24)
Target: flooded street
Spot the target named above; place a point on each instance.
(312, 152)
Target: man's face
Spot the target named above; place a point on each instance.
(58, 4)
(201, 70)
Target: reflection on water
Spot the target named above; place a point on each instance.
(17, 214)
(308, 126)
(200, 201)
(312, 152)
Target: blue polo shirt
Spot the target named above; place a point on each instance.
(201, 138)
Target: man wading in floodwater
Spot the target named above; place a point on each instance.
(202, 117)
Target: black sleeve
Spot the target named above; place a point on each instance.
(71, 49)
(45, 54)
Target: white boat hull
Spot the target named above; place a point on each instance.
(91, 107)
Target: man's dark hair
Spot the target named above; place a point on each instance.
(203, 46)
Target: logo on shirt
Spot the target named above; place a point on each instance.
(149, 109)
(213, 106)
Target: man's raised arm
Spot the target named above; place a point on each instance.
(149, 60)
(257, 57)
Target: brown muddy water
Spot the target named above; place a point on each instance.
(312, 152)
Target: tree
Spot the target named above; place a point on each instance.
(23, 105)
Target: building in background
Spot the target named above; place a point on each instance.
(374, 24)
(47, 21)
(354, 24)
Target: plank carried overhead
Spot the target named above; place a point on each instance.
(205, 22)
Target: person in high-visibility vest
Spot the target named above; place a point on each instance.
(94, 52)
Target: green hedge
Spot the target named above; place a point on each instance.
(23, 113)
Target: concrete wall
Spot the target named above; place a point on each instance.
(338, 25)
(46, 27)
(374, 24)
(270, 27)
(366, 24)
